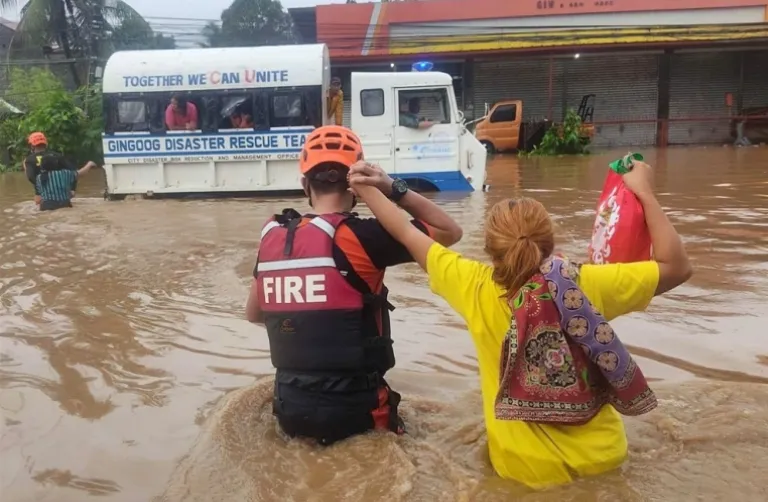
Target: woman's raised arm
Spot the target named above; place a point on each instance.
(395, 222)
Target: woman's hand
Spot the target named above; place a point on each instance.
(367, 174)
(640, 179)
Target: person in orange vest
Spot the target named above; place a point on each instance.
(336, 102)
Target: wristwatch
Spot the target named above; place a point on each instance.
(399, 189)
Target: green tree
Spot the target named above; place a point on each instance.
(251, 23)
(136, 34)
(82, 29)
(563, 139)
(72, 122)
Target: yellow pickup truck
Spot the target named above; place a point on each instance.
(503, 128)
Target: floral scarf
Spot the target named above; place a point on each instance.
(561, 360)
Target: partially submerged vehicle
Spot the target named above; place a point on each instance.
(503, 127)
(281, 91)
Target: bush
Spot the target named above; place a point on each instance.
(72, 122)
(564, 139)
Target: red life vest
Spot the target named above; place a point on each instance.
(321, 317)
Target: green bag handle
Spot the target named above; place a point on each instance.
(625, 164)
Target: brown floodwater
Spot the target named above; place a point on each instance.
(127, 370)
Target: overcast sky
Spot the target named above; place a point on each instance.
(197, 9)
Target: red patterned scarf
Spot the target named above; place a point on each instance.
(561, 360)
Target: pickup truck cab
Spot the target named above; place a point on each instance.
(502, 127)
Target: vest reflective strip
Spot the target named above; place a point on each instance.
(271, 266)
(269, 226)
(324, 226)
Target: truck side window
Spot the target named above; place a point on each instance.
(504, 113)
(236, 112)
(131, 115)
(430, 105)
(287, 110)
(372, 102)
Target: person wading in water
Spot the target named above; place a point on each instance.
(54, 179)
(319, 289)
(554, 374)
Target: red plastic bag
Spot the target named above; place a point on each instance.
(619, 234)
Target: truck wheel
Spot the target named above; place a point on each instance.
(115, 196)
(488, 146)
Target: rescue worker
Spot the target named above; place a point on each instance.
(335, 102)
(54, 179)
(318, 288)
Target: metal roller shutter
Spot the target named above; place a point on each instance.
(626, 89)
(755, 90)
(525, 79)
(697, 89)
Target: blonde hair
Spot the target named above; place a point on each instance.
(519, 235)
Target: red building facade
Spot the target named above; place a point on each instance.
(662, 71)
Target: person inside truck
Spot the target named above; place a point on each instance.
(409, 115)
(181, 115)
(242, 117)
(554, 375)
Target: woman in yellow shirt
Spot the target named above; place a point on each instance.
(551, 387)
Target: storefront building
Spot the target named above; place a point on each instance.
(662, 72)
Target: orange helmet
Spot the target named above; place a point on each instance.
(330, 144)
(37, 139)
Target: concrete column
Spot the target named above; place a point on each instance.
(662, 112)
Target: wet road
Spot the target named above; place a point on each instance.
(128, 372)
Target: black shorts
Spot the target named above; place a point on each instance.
(50, 205)
(330, 409)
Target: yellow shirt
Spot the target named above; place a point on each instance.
(539, 455)
(336, 107)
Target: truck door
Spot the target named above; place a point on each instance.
(426, 132)
(505, 126)
(372, 119)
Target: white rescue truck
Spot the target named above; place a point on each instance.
(256, 106)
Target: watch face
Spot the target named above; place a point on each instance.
(400, 186)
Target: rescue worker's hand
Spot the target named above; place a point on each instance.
(365, 174)
(640, 179)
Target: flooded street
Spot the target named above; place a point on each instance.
(128, 372)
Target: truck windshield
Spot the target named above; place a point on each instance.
(431, 105)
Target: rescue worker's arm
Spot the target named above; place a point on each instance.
(87, 167)
(394, 222)
(425, 124)
(668, 249)
(252, 308)
(444, 229)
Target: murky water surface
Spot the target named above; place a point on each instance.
(128, 372)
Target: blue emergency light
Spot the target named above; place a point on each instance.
(422, 66)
